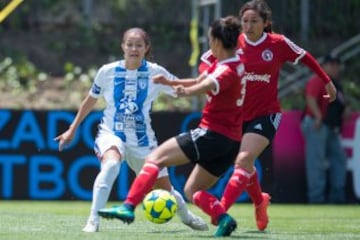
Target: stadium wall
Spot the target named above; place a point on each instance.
(31, 167)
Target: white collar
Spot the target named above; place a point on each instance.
(261, 39)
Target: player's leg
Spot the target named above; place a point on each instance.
(109, 170)
(265, 127)
(251, 146)
(186, 216)
(167, 154)
(215, 153)
(107, 148)
(195, 188)
(198, 181)
(260, 199)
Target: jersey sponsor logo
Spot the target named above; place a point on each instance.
(143, 74)
(96, 89)
(132, 107)
(251, 76)
(119, 74)
(267, 55)
(117, 82)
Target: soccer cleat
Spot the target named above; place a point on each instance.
(121, 212)
(226, 226)
(195, 222)
(261, 216)
(91, 227)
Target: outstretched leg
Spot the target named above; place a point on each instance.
(199, 180)
(167, 154)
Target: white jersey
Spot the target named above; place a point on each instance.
(129, 95)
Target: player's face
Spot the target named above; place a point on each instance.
(134, 48)
(252, 24)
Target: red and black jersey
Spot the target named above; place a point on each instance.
(263, 60)
(222, 112)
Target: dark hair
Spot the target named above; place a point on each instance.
(145, 37)
(227, 30)
(262, 8)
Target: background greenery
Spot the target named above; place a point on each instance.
(50, 50)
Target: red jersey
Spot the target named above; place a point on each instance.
(263, 60)
(315, 88)
(222, 112)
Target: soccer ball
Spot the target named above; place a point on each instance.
(159, 206)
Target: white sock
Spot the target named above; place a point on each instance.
(102, 186)
(182, 210)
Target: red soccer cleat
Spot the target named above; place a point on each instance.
(261, 216)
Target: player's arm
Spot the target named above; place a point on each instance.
(202, 86)
(311, 63)
(86, 106)
(186, 82)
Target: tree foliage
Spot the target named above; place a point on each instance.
(48, 41)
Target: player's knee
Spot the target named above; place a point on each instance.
(245, 160)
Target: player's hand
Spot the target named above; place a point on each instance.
(160, 79)
(65, 139)
(180, 90)
(331, 92)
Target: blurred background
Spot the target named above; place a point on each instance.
(50, 50)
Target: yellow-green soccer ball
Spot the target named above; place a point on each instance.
(159, 206)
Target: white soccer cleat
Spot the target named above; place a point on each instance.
(194, 222)
(91, 227)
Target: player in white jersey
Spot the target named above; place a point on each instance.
(125, 131)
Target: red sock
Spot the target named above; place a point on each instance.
(142, 184)
(253, 188)
(209, 204)
(235, 187)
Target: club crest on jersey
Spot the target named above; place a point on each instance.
(267, 55)
(143, 82)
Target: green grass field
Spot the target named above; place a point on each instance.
(43, 220)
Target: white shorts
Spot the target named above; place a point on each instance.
(133, 155)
